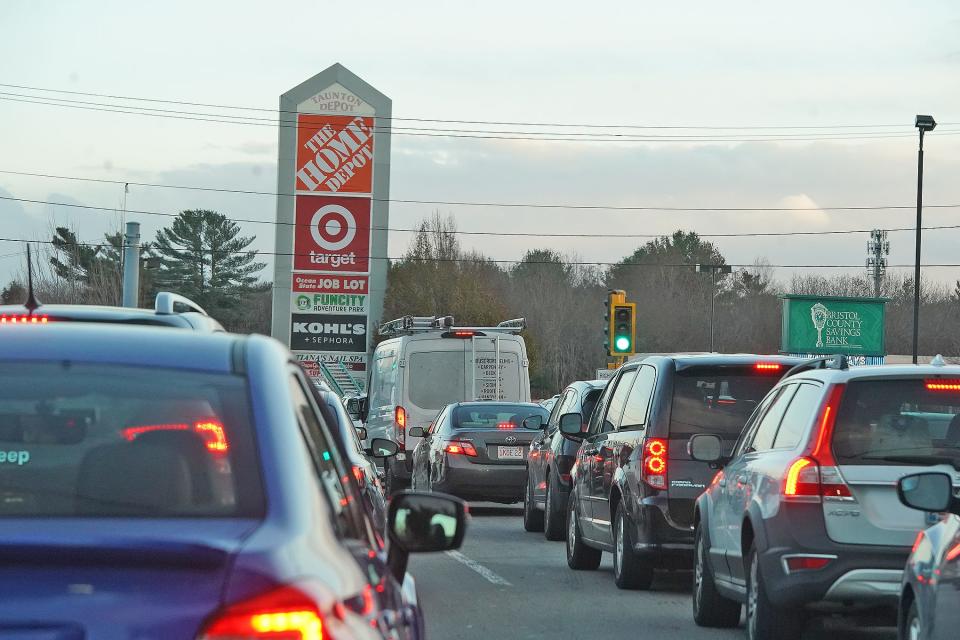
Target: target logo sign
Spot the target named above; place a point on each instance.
(332, 234)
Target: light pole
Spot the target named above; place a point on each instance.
(713, 270)
(923, 124)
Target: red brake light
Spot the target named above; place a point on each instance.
(808, 486)
(917, 541)
(952, 552)
(359, 475)
(463, 334)
(816, 475)
(654, 464)
(506, 426)
(460, 447)
(285, 613)
(942, 385)
(23, 319)
(210, 431)
(767, 366)
(806, 563)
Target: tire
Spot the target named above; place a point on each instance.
(765, 620)
(393, 484)
(710, 608)
(532, 518)
(912, 627)
(630, 571)
(580, 557)
(554, 513)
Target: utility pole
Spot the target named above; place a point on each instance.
(123, 248)
(131, 265)
(713, 270)
(878, 248)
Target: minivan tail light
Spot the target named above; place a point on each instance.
(400, 417)
(654, 466)
(286, 613)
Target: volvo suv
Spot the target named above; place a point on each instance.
(805, 510)
(634, 484)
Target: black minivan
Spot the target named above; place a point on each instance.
(634, 483)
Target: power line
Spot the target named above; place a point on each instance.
(538, 234)
(494, 261)
(479, 122)
(810, 138)
(527, 205)
(292, 123)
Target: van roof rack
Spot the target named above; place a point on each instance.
(409, 325)
(166, 304)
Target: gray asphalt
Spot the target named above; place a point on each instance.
(508, 583)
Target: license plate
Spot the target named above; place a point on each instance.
(510, 453)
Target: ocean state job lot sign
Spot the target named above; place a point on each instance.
(332, 234)
(328, 332)
(330, 293)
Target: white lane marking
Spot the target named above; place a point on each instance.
(489, 575)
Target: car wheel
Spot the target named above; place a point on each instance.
(765, 620)
(912, 628)
(710, 608)
(553, 514)
(629, 570)
(532, 518)
(579, 555)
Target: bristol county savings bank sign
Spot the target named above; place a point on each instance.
(830, 325)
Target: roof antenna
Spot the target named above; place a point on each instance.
(31, 304)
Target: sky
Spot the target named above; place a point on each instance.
(871, 64)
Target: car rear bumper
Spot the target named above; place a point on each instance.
(658, 536)
(855, 575)
(476, 481)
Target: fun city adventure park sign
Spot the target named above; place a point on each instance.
(833, 325)
(333, 178)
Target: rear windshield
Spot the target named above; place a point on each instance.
(89, 440)
(897, 422)
(495, 416)
(717, 400)
(436, 378)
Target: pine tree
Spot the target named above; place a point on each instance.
(202, 256)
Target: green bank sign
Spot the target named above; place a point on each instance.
(829, 325)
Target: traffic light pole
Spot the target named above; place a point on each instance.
(713, 306)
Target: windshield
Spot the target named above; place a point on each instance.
(495, 416)
(83, 440)
(717, 399)
(897, 422)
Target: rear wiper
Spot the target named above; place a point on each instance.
(923, 460)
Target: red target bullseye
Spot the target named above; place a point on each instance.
(333, 227)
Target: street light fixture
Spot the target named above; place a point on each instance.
(713, 269)
(923, 124)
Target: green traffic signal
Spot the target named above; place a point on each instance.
(623, 343)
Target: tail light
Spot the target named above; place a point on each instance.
(767, 366)
(210, 431)
(506, 426)
(940, 384)
(654, 464)
(285, 613)
(803, 562)
(400, 417)
(815, 476)
(23, 319)
(359, 475)
(460, 448)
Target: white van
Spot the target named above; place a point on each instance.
(428, 363)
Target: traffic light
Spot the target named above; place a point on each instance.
(623, 328)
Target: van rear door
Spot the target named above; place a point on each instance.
(434, 376)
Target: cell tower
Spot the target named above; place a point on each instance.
(878, 249)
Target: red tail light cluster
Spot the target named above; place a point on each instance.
(506, 426)
(654, 463)
(461, 448)
(285, 613)
(942, 385)
(767, 366)
(815, 476)
(23, 319)
(210, 431)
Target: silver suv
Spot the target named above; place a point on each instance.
(805, 510)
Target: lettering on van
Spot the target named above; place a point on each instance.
(325, 332)
(490, 375)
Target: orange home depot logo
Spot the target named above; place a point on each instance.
(334, 153)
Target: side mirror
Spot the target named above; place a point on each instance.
(571, 426)
(535, 422)
(383, 448)
(361, 432)
(930, 491)
(705, 447)
(415, 432)
(423, 522)
(352, 405)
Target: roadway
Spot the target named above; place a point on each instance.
(507, 583)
